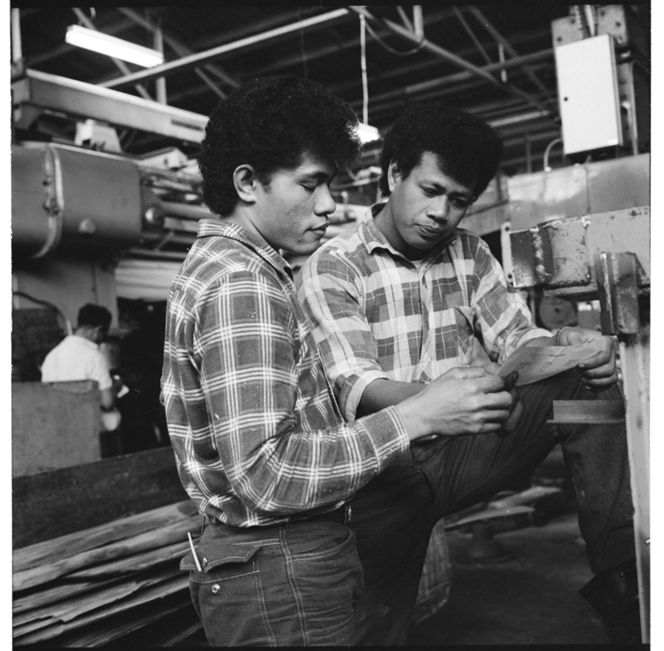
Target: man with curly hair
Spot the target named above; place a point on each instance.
(260, 443)
(407, 297)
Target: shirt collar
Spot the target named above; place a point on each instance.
(373, 238)
(233, 231)
(84, 341)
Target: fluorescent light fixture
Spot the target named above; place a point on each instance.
(91, 39)
(367, 133)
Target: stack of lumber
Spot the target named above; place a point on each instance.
(97, 585)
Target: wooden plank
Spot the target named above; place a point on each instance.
(71, 609)
(80, 541)
(119, 626)
(588, 411)
(156, 592)
(133, 564)
(55, 503)
(149, 540)
(99, 577)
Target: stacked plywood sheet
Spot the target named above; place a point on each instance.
(94, 586)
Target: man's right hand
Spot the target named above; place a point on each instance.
(463, 401)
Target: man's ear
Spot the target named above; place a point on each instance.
(246, 182)
(393, 175)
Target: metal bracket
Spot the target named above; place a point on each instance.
(604, 412)
(618, 293)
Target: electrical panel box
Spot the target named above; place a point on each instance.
(588, 95)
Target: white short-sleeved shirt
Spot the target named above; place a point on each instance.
(76, 358)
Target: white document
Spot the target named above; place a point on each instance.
(535, 364)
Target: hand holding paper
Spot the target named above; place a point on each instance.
(534, 364)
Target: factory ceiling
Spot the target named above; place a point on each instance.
(494, 59)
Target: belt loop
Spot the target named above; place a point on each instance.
(348, 510)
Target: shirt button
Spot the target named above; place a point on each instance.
(215, 588)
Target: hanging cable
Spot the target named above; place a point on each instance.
(547, 152)
(363, 67)
(415, 50)
(302, 49)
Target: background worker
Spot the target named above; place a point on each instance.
(407, 298)
(260, 444)
(77, 357)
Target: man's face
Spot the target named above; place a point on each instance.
(424, 208)
(295, 204)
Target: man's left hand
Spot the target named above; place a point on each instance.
(599, 372)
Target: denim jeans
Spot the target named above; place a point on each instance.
(393, 515)
(284, 585)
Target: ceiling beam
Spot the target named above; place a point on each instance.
(472, 35)
(182, 50)
(199, 58)
(456, 78)
(120, 65)
(452, 58)
(481, 17)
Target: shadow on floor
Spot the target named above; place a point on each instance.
(530, 599)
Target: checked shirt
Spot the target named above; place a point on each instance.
(379, 315)
(254, 425)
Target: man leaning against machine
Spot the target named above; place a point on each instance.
(260, 443)
(407, 298)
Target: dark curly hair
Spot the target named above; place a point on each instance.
(468, 149)
(94, 315)
(269, 123)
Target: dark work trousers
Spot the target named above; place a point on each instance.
(283, 585)
(393, 515)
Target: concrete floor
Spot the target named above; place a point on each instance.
(530, 599)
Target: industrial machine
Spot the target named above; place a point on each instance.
(595, 251)
(93, 224)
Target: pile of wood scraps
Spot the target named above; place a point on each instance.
(94, 586)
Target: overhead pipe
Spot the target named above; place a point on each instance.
(200, 58)
(481, 17)
(314, 52)
(458, 77)
(472, 35)
(120, 65)
(182, 51)
(451, 57)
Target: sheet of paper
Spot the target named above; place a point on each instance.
(535, 364)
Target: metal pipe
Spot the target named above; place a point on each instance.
(404, 18)
(529, 154)
(506, 44)
(353, 41)
(194, 60)
(160, 82)
(470, 32)
(453, 58)
(418, 22)
(182, 51)
(137, 253)
(185, 210)
(458, 77)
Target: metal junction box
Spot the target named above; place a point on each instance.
(588, 95)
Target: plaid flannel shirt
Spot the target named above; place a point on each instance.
(253, 423)
(379, 315)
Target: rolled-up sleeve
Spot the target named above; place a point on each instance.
(332, 296)
(260, 387)
(503, 316)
